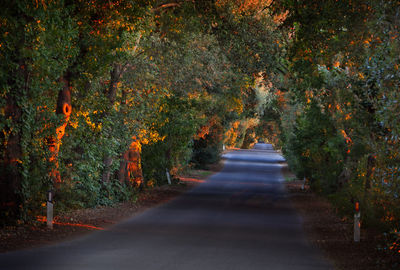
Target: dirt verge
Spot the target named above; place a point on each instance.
(84, 221)
(334, 235)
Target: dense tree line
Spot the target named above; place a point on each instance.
(338, 125)
(100, 98)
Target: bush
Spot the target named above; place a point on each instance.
(315, 150)
(204, 154)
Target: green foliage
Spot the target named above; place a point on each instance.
(314, 149)
(37, 46)
(207, 150)
(319, 79)
(339, 122)
(165, 76)
(176, 122)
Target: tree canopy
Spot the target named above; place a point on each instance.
(94, 92)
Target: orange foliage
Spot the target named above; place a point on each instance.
(232, 134)
(205, 130)
(349, 141)
(43, 2)
(245, 6)
(280, 97)
(132, 173)
(54, 143)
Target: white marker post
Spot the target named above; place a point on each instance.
(49, 210)
(168, 176)
(357, 224)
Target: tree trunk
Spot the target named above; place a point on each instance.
(130, 166)
(123, 163)
(10, 177)
(114, 79)
(107, 162)
(11, 197)
(168, 155)
(115, 75)
(130, 170)
(370, 172)
(63, 108)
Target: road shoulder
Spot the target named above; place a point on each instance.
(333, 234)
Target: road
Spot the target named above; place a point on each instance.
(240, 218)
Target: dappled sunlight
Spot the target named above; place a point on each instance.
(191, 180)
(102, 100)
(43, 219)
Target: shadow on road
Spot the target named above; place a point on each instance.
(240, 218)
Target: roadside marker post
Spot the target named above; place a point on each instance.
(168, 176)
(49, 210)
(357, 224)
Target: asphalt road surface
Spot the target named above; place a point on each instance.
(239, 218)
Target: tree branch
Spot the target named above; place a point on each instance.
(168, 5)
